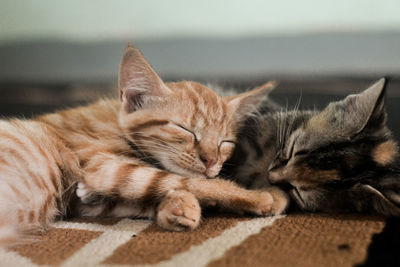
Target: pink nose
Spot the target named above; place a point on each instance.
(275, 177)
(208, 162)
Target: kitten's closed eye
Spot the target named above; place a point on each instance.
(302, 152)
(188, 131)
(180, 130)
(296, 151)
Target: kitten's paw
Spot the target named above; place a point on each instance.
(261, 204)
(179, 211)
(88, 196)
(270, 202)
(82, 192)
(281, 200)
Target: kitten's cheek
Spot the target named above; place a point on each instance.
(226, 151)
(223, 159)
(225, 156)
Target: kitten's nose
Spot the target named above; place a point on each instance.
(208, 162)
(273, 177)
(276, 164)
(276, 176)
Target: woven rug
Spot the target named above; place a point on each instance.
(221, 240)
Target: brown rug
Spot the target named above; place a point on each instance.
(221, 240)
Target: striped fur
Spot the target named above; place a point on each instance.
(147, 153)
(342, 158)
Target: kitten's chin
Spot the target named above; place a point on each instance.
(213, 172)
(305, 200)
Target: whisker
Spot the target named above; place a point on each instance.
(155, 148)
(156, 145)
(294, 115)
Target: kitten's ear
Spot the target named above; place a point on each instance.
(356, 112)
(137, 80)
(245, 103)
(383, 198)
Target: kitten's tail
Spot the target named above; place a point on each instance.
(13, 231)
(8, 235)
(12, 234)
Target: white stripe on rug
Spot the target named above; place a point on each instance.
(81, 226)
(214, 248)
(97, 250)
(11, 258)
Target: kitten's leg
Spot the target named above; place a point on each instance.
(145, 192)
(227, 194)
(178, 211)
(113, 175)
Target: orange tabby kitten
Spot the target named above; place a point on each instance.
(152, 149)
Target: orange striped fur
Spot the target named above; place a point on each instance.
(151, 150)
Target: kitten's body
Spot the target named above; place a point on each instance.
(340, 159)
(152, 150)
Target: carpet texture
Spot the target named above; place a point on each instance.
(221, 240)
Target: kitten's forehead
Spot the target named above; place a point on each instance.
(202, 106)
(308, 139)
(310, 135)
(195, 92)
(299, 132)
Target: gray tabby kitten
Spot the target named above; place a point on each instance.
(340, 159)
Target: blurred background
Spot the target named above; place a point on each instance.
(56, 54)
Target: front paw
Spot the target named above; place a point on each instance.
(88, 196)
(179, 211)
(281, 200)
(272, 201)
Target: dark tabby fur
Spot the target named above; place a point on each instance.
(340, 159)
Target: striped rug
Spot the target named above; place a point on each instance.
(221, 240)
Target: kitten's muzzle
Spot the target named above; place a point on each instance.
(208, 163)
(276, 177)
(275, 170)
(277, 164)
